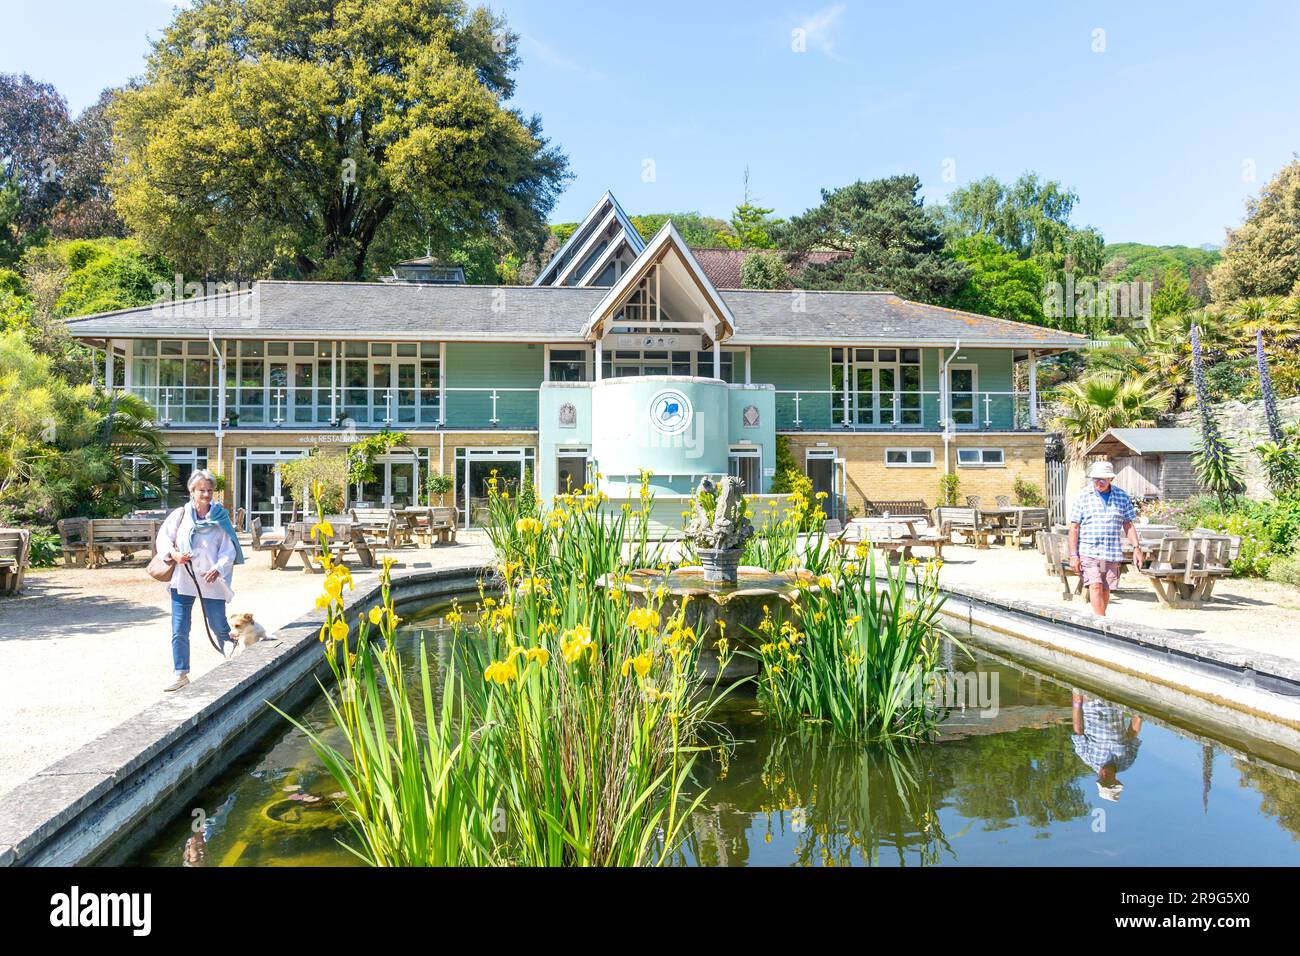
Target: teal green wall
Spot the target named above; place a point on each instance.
(493, 365)
(762, 397)
(550, 436)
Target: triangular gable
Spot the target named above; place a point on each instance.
(576, 248)
(670, 249)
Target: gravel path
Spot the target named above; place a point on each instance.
(81, 651)
(1245, 612)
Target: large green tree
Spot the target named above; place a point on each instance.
(1262, 256)
(893, 241)
(1001, 283)
(32, 120)
(292, 136)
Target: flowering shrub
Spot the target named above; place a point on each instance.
(1256, 547)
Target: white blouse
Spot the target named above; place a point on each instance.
(212, 549)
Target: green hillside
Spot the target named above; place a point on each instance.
(1140, 261)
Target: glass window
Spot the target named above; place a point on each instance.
(909, 457)
(887, 355)
(144, 347)
(910, 355)
(568, 365)
(866, 355)
(250, 349)
(429, 349)
(304, 348)
(406, 349)
(277, 348)
(381, 348)
(980, 456)
(355, 350)
(172, 348)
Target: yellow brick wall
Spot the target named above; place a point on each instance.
(868, 477)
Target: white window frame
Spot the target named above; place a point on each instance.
(1000, 463)
(974, 370)
(909, 463)
(748, 451)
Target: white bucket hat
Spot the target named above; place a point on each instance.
(1101, 469)
(1110, 793)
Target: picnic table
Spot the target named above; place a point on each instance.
(15, 545)
(895, 536)
(431, 521)
(86, 541)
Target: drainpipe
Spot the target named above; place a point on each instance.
(220, 432)
(945, 402)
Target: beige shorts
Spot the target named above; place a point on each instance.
(1099, 571)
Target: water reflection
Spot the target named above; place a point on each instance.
(1106, 739)
(996, 787)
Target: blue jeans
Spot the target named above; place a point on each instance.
(182, 610)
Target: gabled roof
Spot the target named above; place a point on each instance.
(278, 309)
(1145, 441)
(570, 255)
(666, 244)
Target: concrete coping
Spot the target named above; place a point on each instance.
(79, 805)
(1256, 663)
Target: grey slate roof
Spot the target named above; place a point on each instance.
(1148, 441)
(276, 309)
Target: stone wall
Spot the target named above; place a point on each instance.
(1244, 427)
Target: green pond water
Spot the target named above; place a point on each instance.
(1018, 787)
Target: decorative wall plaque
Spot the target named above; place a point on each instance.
(568, 415)
(749, 417)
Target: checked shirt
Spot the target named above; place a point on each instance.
(1101, 525)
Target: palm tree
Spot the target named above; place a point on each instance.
(1104, 400)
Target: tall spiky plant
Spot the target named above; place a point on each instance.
(1216, 462)
(1266, 390)
(1280, 455)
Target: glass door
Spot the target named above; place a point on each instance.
(405, 399)
(304, 381)
(475, 469)
(277, 399)
(820, 465)
(382, 399)
(961, 395)
(402, 479)
(263, 493)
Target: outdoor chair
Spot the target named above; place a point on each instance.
(973, 501)
(1004, 501)
(15, 546)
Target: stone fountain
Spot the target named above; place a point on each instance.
(719, 589)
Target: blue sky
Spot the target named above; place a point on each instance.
(1160, 132)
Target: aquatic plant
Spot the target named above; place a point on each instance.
(856, 651)
(591, 703)
(416, 789)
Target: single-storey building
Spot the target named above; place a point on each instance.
(622, 355)
(1150, 462)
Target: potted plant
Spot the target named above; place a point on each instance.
(438, 484)
(719, 528)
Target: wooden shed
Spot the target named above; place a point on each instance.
(1150, 462)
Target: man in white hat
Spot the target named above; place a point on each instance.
(1105, 740)
(1099, 521)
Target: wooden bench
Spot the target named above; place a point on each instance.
(384, 524)
(264, 542)
(965, 520)
(896, 509)
(1056, 549)
(124, 535)
(443, 524)
(74, 536)
(1185, 568)
(15, 547)
(1028, 522)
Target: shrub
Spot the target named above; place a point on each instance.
(438, 484)
(949, 488)
(1256, 547)
(1028, 494)
(1286, 570)
(45, 548)
(331, 471)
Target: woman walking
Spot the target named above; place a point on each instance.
(199, 535)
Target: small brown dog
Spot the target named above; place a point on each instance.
(245, 632)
